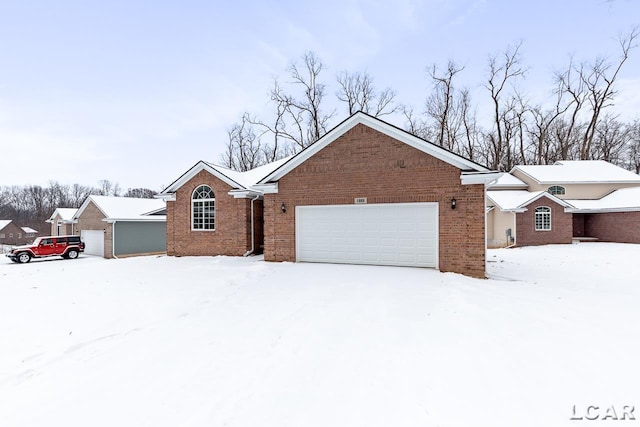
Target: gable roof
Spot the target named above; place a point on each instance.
(578, 172)
(382, 127)
(29, 230)
(4, 223)
(238, 180)
(124, 208)
(518, 200)
(66, 214)
(622, 200)
(508, 181)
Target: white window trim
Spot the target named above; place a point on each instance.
(215, 222)
(564, 190)
(535, 218)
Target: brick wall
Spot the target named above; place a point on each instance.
(366, 163)
(561, 225)
(623, 227)
(232, 234)
(92, 219)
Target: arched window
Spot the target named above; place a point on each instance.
(543, 218)
(556, 190)
(203, 208)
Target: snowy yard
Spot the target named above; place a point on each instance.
(162, 341)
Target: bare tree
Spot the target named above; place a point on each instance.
(108, 188)
(301, 120)
(442, 106)
(244, 149)
(633, 146)
(503, 70)
(358, 91)
(140, 193)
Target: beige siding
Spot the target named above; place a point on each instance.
(498, 222)
(574, 191)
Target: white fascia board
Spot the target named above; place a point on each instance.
(604, 210)
(470, 178)
(244, 194)
(157, 218)
(200, 166)
(167, 197)
(269, 188)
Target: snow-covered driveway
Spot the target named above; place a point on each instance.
(163, 341)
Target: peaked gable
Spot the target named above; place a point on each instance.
(383, 127)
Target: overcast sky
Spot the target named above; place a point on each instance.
(138, 91)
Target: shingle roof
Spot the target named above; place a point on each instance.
(578, 172)
(125, 208)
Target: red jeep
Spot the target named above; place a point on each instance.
(64, 246)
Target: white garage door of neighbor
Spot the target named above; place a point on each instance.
(404, 234)
(93, 242)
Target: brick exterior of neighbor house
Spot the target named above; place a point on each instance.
(366, 163)
(92, 219)
(62, 229)
(623, 227)
(12, 234)
(232, 234)
(561, 225)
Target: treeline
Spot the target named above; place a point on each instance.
(32, 205)
(574, 123)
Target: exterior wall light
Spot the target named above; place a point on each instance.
(453, 203)
(283, 208)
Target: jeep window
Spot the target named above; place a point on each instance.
(74, 240)
(46, 242)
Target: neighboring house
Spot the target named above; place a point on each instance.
(121, 226)
(62, 222)
(29, 233)
(563, 202)
(365, 193)
(11, 233)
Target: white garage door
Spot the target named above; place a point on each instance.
(93, 242)
(403, 234)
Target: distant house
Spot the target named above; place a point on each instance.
(563, 202)
(30, 233)
(121, 226)
(11, 233)
(62, 222)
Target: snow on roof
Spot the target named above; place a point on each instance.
(4, 223)
(251, 177)
(624, 199)
(29, 230)
(508, 181)
(578, 172)
(514, 200)
(124, 208)
(66, 214)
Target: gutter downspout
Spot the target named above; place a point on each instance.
(515, 232)
(253, 243)
(113, 240)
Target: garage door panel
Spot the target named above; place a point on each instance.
(93, 242)
(384, 234)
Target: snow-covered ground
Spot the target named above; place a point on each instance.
(163, 341)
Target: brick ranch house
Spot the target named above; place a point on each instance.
(565, 202)
(365, 193)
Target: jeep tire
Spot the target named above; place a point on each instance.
(72, 254)
(23, 257)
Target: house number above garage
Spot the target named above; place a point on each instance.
(360, 200)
